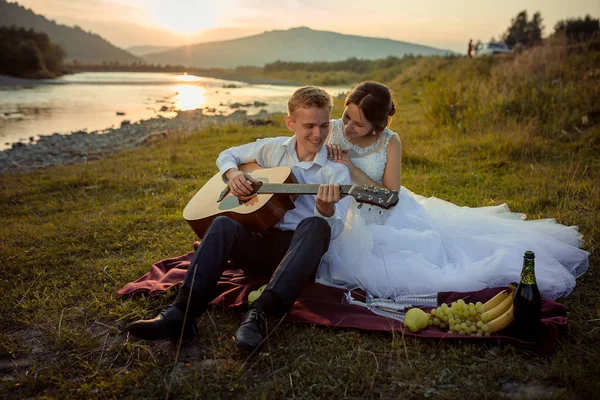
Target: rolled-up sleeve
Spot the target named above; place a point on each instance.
(258, 152)
(338, 219)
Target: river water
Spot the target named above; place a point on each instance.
(99, 100)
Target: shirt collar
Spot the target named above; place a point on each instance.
(320, 158)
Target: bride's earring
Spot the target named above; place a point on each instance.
(374, 133)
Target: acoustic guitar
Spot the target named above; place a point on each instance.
(273, 195)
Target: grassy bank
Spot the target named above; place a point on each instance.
(522, 130)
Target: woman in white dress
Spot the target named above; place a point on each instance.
(428, 245)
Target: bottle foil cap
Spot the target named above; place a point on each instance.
(529, 254)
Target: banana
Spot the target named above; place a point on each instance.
(499, 309)
(496, 300)
(502, 321)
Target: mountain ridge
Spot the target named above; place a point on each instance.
(300, 44)
(78, 44)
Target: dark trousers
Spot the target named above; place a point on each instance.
(289, 257)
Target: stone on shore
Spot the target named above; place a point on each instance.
(81, 146)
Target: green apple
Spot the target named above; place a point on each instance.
(255, 294)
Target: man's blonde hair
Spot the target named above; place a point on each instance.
(309, 96)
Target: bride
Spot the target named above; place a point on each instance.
(428, 245)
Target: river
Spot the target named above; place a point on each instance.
(92, 101)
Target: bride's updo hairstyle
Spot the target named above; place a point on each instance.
(376, 102)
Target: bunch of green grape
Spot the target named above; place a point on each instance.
(461, 318)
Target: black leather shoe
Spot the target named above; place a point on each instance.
(167, 325)
(252, 331)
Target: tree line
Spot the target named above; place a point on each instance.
(352, 64)
(525, 32)
(578, 30)
(29, 54)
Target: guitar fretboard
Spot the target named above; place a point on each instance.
(296, 188)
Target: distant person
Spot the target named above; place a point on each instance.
(471, 50)
(428, 245)
(290, 252)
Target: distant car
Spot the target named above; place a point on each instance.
(491, 48)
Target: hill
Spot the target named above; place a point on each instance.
(78, 44)
(296, 44)
(143, 50)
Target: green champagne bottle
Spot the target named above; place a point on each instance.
(528, 302)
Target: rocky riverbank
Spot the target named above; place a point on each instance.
(81, 146)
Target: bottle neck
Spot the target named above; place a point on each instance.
(528, 272)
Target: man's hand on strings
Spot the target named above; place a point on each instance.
(327, 196)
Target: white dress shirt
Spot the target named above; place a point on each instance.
(281, 151)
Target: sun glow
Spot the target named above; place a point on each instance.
(189, 97)
(187, 17)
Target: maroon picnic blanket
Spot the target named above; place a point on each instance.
(324, 305)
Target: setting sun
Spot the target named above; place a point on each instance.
(187, 16)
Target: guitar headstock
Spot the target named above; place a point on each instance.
(380, 197)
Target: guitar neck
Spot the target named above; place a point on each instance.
(296, 188)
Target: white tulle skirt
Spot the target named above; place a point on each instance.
(428, 245)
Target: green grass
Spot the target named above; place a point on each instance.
(71, 236)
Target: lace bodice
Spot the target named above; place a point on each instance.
(371, 160)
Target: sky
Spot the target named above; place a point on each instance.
(445, 24)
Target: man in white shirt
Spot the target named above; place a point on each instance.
(290, 251)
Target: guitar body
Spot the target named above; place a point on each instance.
(258, 212)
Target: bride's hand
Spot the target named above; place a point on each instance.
(335, 153)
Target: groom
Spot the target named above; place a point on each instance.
(290, 252)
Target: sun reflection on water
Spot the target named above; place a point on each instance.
(189, 97)
(188, 78)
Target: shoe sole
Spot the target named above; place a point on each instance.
(245, 346)
(144, 334)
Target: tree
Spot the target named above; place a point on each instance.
(54, 58)
(578, 29)
(30, 57)
(524, 32)
(26, 53)
(534, 29)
